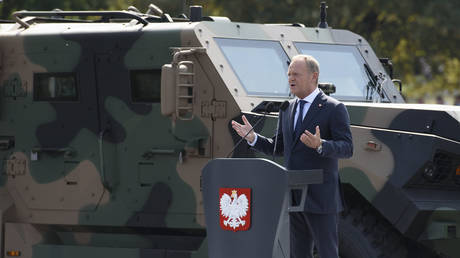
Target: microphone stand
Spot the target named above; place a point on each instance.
(276, 138)
(267, 109)
(282, 108)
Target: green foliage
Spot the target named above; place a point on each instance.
(421, 36)
(10, 6)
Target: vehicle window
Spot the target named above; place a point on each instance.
(55, 87)
(261, 66)
(343, 66)
(146, 85)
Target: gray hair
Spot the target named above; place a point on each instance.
(311, 62)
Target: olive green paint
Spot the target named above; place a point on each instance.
(52, 52)
(51, 167)
(152, 49)
(146, 132)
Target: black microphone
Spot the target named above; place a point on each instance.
(282, 108)
(268, 108)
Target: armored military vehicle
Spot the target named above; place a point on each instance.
(106, 124)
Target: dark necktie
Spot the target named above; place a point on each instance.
(298, 124)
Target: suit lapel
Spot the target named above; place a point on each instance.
(313, 111)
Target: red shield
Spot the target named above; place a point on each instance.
(235, 208)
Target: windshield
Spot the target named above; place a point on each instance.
(261, 66)
(341, 65)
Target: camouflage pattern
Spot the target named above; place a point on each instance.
(102, 170)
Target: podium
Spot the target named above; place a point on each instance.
(263, 231)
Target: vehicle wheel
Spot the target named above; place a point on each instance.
(363, 235)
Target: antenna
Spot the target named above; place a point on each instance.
(323, 23)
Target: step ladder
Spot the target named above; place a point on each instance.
(185, 82)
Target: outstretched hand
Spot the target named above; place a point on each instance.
(243, 129)
(311, 140)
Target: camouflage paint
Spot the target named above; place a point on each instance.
(140, 196)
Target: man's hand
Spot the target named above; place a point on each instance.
(311, 140)
(242, 130)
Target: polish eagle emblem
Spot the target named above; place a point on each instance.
(234, 208)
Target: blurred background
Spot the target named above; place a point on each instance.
(422, 37)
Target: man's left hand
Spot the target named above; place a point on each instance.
(311, 140)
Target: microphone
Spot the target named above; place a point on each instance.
(282, 108)
(268, 108)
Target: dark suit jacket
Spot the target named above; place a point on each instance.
(334, 123)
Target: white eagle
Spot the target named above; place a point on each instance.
(234, 208)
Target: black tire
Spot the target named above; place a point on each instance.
(363, 235)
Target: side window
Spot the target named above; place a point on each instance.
(145, 85)
(55, 87)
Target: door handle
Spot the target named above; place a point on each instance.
(66, 151)
(152, 152)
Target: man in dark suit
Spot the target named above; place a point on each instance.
(314, 132)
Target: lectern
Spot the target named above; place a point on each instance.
(247, 204)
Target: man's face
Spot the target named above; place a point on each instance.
(302, 82)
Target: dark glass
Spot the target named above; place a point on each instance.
(55, 87)
(146, 85)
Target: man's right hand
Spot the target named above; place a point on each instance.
(242, 130)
